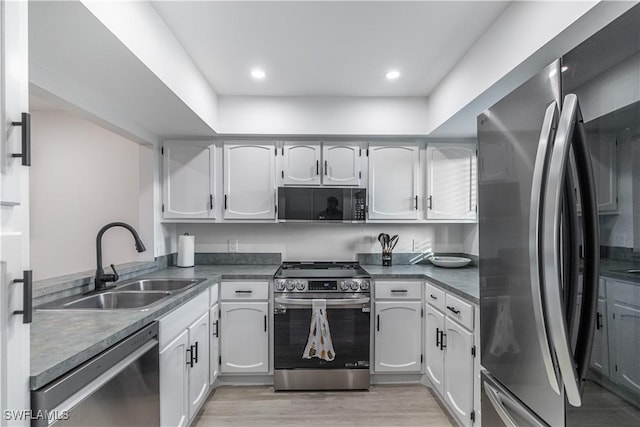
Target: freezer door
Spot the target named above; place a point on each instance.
(501, 408)
(514, 335)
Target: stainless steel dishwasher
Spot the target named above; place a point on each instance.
(118, 387)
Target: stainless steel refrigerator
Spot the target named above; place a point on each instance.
(542, 232)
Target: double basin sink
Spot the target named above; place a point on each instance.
(139, 294)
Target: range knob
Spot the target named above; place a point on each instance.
(344, 285)
(300, 285)
(291, 285)
(364, 285)
(354, 285)
(279, 285)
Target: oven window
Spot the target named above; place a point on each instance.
(349, 328)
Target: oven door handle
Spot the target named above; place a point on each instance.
(307, 302)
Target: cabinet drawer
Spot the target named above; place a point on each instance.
(181, 318)
(397, 290)
(258, 290)
(214, 294)
(459, 310)
(435, 296)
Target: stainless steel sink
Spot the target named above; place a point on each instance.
(167, 285)
(111, 301)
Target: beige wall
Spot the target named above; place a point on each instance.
(82, 177)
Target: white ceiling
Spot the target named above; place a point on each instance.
(327, 48)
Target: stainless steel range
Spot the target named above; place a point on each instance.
(321, 326)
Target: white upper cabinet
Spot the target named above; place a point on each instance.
(451, 181)
(603, 159)
(341, 164)
(249, 181)
(393, 181)
(301, 163)
(189, 179)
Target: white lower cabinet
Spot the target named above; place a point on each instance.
(174, 382)
(458, 378)
(434, 349)
(624, 333)
(450, 352)
(244, 327)
(184, 361)
(398, 327)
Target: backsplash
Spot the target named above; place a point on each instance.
(226, 258)
(619, 253)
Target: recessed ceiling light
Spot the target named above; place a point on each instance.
(392, 75)
(257, 73)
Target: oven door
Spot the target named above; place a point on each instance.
(349, 324)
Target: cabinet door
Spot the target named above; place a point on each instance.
(301, 164)
(434, 351)
(624, 331)
(603, 148)
(458, 375)
(244, 339)
(199, 373)
(393, 182)
(174, 383)
(249, 181)
(600, 352)
(189, 179)
(398, 336)
(214, 348)
(451, 181)
(341, 164)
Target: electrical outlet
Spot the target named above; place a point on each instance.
(233, 245)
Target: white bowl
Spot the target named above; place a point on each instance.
(449, 261)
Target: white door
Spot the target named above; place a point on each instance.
(393, 182)
(14, 213)
(189, 179)
(434, 349)
(174, 383)
(199, 373)
(625, 327)
(341, 164)
(249, 181)
(451, 181)
(214, 348)
(398, 336)
(301, 163)
(600, 352)
(244, 339)
(458, 375)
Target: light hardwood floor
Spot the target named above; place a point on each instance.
(388, 405)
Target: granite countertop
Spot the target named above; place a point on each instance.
(462, 281)
(616, 269)
(64, 339)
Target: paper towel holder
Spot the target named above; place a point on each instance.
(186, 251)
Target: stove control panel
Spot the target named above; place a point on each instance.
(329, 285)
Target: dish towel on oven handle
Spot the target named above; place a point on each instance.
(319, 343)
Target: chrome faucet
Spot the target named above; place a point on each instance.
(101, 277)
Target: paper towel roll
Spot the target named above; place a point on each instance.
(186, 250)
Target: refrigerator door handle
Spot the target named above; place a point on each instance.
(551, 227)
(536, 267)
(588, 317)
(503, 403)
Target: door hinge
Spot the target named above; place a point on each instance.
(162, 151)
(473, 351)
(282, 151)
(473, 415)
(276, 208)
(476, 208)
(282, 174)
(367, 152)
(616, 367)
(360, 174)
(360, 152)
(163, 207)
(422, 358)
(614, 315)
(275, 151)
(476, 153)
(422, 312)
(220, 360)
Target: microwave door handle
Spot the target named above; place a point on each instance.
(591, 233)
(536, 268)
(551, 228)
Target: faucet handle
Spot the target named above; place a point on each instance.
(115, 274)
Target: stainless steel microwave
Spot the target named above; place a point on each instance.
(321, 204)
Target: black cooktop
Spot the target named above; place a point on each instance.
(324, 269)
